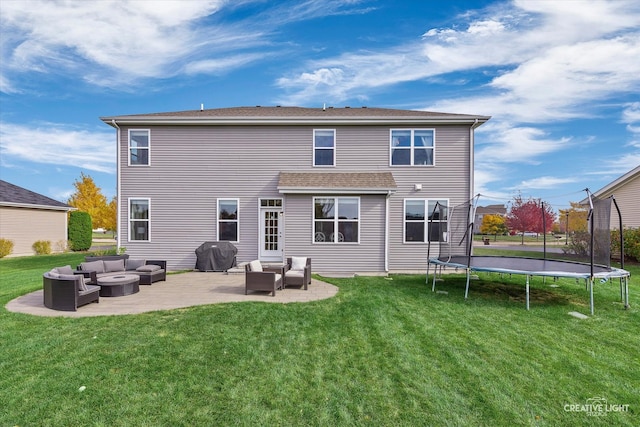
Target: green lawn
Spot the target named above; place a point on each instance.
(384, 351)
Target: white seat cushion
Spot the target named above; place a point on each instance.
(294, 273)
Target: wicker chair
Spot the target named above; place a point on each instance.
(298, 276)
(67, 292)
(258, 278)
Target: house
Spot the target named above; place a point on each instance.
(26, 217)
(349, 187)
(626, 192)
(481, 211)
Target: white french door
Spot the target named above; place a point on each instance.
(271, 241)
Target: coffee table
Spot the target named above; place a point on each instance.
(120, 285)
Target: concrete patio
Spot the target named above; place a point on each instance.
(178, 291)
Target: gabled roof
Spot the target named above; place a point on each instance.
(337, 183)
(610, 188)
(294, 115)
(14, 196)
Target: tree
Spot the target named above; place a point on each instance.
(89, 198)
(576, 216)
(493, 224)
(528, 216)
(110, 214)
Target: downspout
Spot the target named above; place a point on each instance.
(118, 194)
(386, 232)
(472, 157)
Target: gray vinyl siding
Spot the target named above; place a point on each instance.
(192, 166)
(366, 256)
(627, 197)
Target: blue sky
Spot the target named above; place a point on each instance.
(561, 79)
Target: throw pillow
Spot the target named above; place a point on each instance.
(133, 264)
(255, 265)
(298, 263)
(97, 266)
(65, 270)
(116, 265)
(149, 268)
(53, 274)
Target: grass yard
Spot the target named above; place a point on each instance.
(384, 351)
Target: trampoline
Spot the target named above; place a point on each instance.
(530, 267)
(455, 224)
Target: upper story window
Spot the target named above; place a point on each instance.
(324, 147)
(139, 219)
(139, 147)
(336, 219)
(425, 220)
(412, 147)
(228, 222)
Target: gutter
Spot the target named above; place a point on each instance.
(118, 186)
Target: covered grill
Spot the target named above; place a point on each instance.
(216, 256)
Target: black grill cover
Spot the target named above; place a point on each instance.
(216, 256)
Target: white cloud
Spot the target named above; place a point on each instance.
(543, 183)
(56, 144)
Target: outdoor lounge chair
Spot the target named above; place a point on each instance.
(66, 290)
(298, 272)
(258, 278)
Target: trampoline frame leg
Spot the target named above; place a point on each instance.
(466, 290)
(527, 286)
(591, 295)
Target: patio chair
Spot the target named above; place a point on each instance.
(258, 278)
(298, 272)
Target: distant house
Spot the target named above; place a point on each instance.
(350, 187)
(626, 192)
(481, 211)
(26, 217)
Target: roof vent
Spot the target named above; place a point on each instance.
(257, 106)
(364, 106)
(201, 107)
(346, 106)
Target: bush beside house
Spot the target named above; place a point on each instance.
(80, 231)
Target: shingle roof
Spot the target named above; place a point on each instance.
(332, 182)
(13, 195)
(298, 114)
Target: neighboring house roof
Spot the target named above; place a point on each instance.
(331, 182)
(610, 188)
(292, 115)
(14, 196)
(491, 209)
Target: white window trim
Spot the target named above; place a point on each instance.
(336, 221)
(426, 218)
(335, 143)
(411, 148)
(129, 148)
(130, 220)
(237, 220)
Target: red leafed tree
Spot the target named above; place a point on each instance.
(528, 216)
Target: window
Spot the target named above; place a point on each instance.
(139, 220)
(336, 220)
(412, 147)
(324, 147)
(138, 147)
(228, 220)
(425, 219)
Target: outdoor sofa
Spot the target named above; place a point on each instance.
(66, 290)
(149, 271)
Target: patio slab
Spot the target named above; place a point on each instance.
(178, 291)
